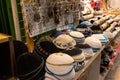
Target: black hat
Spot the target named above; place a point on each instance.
(45, 48)
(19, 48)
(78, 55)
(30, 66)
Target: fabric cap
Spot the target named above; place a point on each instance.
(82, 26)
(76, 54)
(58, 59)
(93, 42)
(78, 36)
(70, 76)
(64, 42)
(88, 52)
(45, 48)
(102, 37)
(108, 34)
(59, 63)
(45, 38)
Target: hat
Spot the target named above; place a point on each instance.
(68, 77)
(45, 48)
(56, 34)
(88, 52)
(94, 43)
(104, 26)
(110, 21)
(105, 60)
(112, 26)
(109, 50)
(82, 25)
(59, 66)
(30, 67)
(102, 37)
(78, 55)
(96, 29)
(45, 38)
(19, 48)
(64, 41)
(78, 36)
(85, 31)
(109, 34)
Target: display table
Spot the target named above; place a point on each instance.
(92, 67)
(7, 38)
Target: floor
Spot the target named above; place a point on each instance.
(114, 73)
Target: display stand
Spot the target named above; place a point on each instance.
(92, 68)
(117, 51)
(6, 38)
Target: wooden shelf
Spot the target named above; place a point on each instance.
(7, 38)
(89, 63)
(92, 67)
(4, 38)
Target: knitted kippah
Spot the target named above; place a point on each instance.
(64, 42)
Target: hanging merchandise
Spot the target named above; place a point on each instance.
(117, 18)
(63, 16)
(102, 20)
(104, 26)
(92, 3)
(87, 8)
(59, 66)
(87, 16)
(98, 12)
(113, 4)
(110, 21)
(35, 18)
(112, 26)
(97, 6)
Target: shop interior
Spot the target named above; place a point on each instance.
(60, 40)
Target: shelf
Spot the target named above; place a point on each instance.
(102, 77)
(116, 52)
(4, 38)
(89, 63)
(92, 67)
(7, 38)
